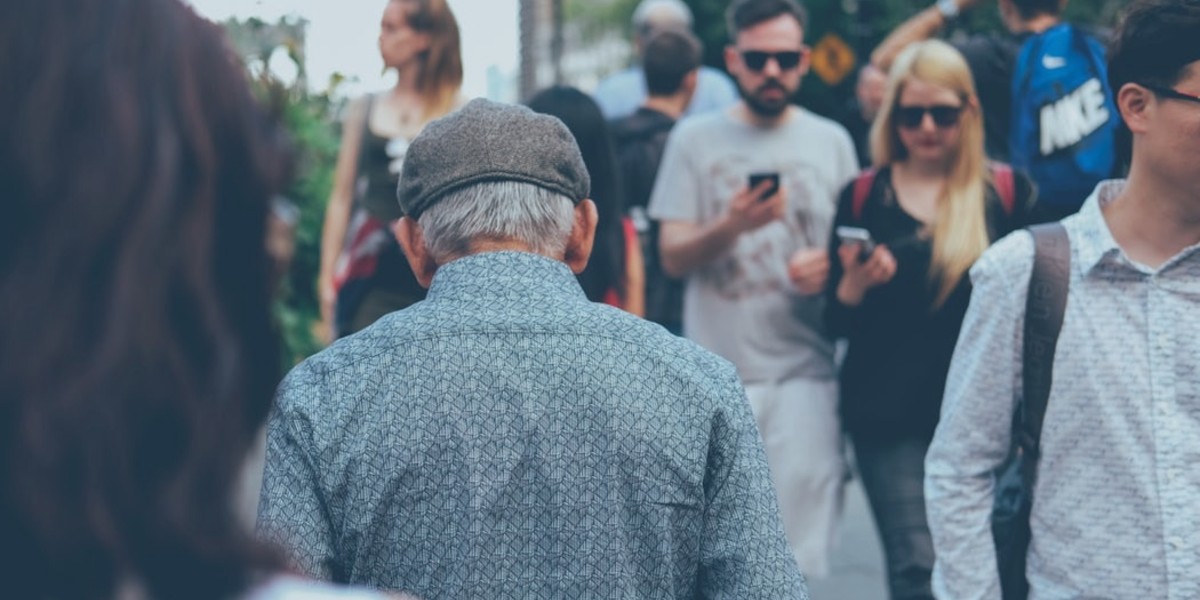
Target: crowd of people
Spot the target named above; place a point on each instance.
(612, 345)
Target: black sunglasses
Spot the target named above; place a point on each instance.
(1170, 93)
(911, 117)
(756, 60)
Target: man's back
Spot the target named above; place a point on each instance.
(507, 438)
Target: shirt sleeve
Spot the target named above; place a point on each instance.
(974, 433)
(743, 551)
(676, 195)
(292, 511)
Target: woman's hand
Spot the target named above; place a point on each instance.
(862, 275)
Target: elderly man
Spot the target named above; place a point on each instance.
(506, 438)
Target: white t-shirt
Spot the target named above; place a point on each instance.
(743, 306)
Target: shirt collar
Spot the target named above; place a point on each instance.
(507, 275)
(1095, 241)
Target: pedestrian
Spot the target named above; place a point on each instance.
(1044, 93)
(139, 351)
(746, 197)
(620, 94)
(930, 207)
(1115, 494)
(363, 274)
(672, 69)
(506, 437)
(615, 273)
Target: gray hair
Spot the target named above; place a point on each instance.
(653, 14)
(499, 211)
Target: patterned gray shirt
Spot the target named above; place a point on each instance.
(1116, 509)
(506, 438)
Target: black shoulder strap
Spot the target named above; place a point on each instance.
(1045, 306)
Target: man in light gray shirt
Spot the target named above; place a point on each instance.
(755, 258)
(1116, 503)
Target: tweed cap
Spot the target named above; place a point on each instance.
(489, 141)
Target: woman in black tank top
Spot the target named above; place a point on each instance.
(363, 274)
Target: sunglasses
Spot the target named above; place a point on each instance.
(911, 117)
(756, 60)
(1170, 93)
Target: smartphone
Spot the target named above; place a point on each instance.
(757, 178)
(857, 235)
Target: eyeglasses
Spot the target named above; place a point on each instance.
(911, 117)
(756, 60)
(1170, 93)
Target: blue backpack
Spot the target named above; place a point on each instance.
(1064, 121)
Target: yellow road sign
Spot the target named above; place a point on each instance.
(832, 59)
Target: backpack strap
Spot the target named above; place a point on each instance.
(1045, 305)
(1003, 179)
(862, 189)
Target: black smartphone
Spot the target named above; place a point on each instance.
(860, 236)
(757, 178)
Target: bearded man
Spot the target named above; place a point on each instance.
(753, 252)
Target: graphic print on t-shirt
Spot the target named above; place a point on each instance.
(757, 263)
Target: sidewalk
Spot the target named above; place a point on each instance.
(857, 571)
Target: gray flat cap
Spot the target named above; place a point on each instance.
(489, 141)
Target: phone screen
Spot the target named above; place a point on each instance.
(758, 178)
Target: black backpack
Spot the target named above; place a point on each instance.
(1045, 305)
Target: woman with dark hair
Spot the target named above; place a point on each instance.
(615, 274)
(138, 357)
(363, 274)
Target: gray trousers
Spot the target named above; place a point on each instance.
(893, 475)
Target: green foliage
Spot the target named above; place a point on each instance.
(307, 118)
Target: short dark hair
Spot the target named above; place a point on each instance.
(1029, 9)
(1154, 43)
(670, 54)
(141, 360)
(744, 14)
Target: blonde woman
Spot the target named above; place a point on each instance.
(930, 205)
(363, 274)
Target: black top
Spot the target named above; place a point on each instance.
(992, 58)
(899, 346)
(639, 140)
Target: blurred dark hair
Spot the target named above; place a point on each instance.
(669, 55)
(744, 14)
(606, 268)
(441, 65)
(1153, 44)
(1029, 9)
(137, 359)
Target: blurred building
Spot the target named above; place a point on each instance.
(556, 49)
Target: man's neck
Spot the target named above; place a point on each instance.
(743, 113)
(1153, 220)
(1039, 24)
(672, 106)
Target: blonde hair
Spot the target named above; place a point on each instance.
(441, 65)
(960, 233)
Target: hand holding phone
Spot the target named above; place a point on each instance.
(860, 236)
(757, 178)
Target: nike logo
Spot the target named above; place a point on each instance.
(1053, 62)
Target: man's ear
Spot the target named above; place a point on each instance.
(1136, 106)
(690, 81)
(583, 236)
(733, 60)
(412, 240)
